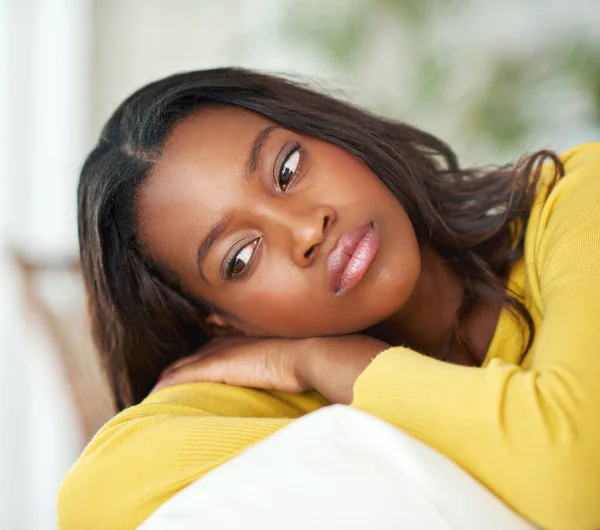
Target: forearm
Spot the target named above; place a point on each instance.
(529, 436)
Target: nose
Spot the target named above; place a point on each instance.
(309, 232)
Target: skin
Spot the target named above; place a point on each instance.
(408, 296)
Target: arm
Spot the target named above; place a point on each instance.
(149, 452)
(531, 435)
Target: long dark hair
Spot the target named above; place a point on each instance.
(142, 320)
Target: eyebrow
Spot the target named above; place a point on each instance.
(207, 243)
(257, 145)
(221, 226)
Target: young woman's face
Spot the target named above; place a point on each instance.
(284, 234)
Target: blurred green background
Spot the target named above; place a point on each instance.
(494, 79)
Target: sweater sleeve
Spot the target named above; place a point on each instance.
(532, 436)
(149, 452)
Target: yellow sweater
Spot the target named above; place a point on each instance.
(529, 432)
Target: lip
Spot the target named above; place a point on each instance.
(352, 256)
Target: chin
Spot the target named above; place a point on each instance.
(373, 313)
(387, 300)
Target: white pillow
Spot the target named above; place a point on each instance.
(336, 468)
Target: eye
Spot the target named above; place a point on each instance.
(289, 166)
(237, 264)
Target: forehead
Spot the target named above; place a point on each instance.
(211, 134)
(196, 179)
(202, 157)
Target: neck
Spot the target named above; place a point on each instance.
(425, 323)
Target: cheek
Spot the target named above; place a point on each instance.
(284, 306)
(346, 176)
(397, 278)
(401, 257)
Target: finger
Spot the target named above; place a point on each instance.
(211, 369)
(205, 351)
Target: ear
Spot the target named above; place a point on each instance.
(219, 326)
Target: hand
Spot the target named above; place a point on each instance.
(271, 364)
(330, 365)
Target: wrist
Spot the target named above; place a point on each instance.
(307, 361)
(331, 365)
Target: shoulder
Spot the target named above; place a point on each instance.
(562, 240)
(581, 156)
(577, 194)
(573, 204)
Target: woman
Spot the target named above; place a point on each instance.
(270, 250)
